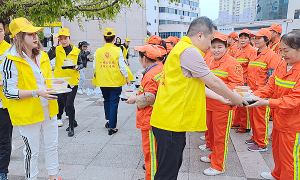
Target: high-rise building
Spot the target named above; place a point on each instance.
(165, 18)
(231, 11)
(272, 9)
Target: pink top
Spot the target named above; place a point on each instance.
(193, 64)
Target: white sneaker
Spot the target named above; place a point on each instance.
(203, 147)
(266, 175)
(212, 172)
(80, 91)
(59, 123)
(203, 138)
(205, 159)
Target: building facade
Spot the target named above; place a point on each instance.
(232, 11)
(165, 18)
(271, 9)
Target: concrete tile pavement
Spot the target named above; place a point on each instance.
(92, 154)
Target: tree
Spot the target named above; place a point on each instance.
(47, 11)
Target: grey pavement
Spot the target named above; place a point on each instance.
(92, 154)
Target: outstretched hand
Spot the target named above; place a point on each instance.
(259, 102)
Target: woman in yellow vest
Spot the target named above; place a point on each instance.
(110, 75)
(180, 101)
(31, 105)
(6, 127)
(67, 50)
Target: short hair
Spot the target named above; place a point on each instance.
(141, 54)
(2, 22)
(109, 39)
(244, 34)
(224, 42)
(201, 24)
(292, 39)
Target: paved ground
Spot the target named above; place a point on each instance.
(92, 154)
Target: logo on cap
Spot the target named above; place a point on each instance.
(27, 22)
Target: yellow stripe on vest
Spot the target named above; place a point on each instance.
(248, 119)
(157, 77)
(296, 158)
(220, 73)
(141, 89)
(242, 60)
(260, 64)
(287, 84)
(227, 138)
(267, 117)
(152, 153)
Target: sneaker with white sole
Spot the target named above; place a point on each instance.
(250, 141)
(203, 138)
(80, 91)
(256, 148)
(205, 159)
(203, 147)
(212, 172)
(59, 123)
(266, 175)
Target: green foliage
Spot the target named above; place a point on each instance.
(47, 11)
(40, 35)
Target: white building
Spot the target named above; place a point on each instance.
(231, 11)
(170, 19)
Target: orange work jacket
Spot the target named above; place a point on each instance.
(150, 84)
(258, 68)
(284, 89)
(233, 50)
(275, 46)
(230, 72)
(243, 57)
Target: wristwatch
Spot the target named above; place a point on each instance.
(34, 94)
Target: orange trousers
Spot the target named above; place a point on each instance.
(149, 150)
(259, 119)
(219, 125)
(285, 147)
(242, 117)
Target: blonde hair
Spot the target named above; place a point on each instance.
(20, 45)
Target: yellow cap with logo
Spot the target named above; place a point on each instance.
(109, 32)
(127, 39)
(63, 32)
(22, 25)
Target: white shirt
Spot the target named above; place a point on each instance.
(122, 66)
(9, 72)
(1, 59)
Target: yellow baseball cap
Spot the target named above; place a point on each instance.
(22, 25)
(111, 30)
(56, 35)
(63, 32)
(127, 39)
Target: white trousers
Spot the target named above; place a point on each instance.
(31, 136)
(82, 79)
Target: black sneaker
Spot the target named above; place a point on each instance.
(107, 124)
(144, 167)
(112, 131)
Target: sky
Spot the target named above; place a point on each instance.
(209, 8)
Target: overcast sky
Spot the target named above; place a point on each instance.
(209, 8)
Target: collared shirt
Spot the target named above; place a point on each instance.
(10, 71)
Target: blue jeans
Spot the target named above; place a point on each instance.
(111, 102)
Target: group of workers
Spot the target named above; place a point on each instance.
(187, 85)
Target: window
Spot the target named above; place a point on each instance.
(154, 7)
(154, 20)
(165, 35)
(163, 10)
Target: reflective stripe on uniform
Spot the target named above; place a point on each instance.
(220, 73)
(274, 46)
(141, 89)
(296, 157)
(242, 60)
(248, 119)
(267, 117)
(287, 84)
(260, 64)
(152, 153)
(157, 77)
(227, 138)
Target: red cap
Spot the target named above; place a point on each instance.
(264, 32)
(163, 51)
(276, 27)
(221, 36)
(171, 39)
(234, 35)
(151, 51)
(247, 31)
(169, 47)
(154, 39)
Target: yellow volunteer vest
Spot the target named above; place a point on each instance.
(107, 71)
(130, 76)
(125, 51)
(180, 103)
(29, 110)
(3, 47)
(59, 72)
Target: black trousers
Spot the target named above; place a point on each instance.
(170, 146)
(67, 101)
(6, 129)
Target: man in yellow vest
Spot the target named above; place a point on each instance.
(180, 101)
(125, 49)
(6, 127)
(110, 75)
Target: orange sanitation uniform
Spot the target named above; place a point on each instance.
(150, 84)
(275, 46)
(242, 117)
(233, 50)
(284, 89)
(219, 116)
(257, 77)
